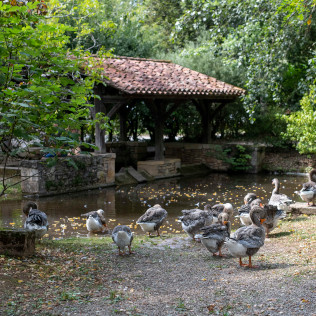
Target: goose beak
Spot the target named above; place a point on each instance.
(225, 222)
(261, 205)
(262, 220)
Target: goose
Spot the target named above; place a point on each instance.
(216, 209)
(95, 221)
(193, 220)
(282, 201)
(152, 219)
(273, 215)
(36, 220)
(247, 240)
(308, 191)
(244, 210)
(123, 237)
(213, 236)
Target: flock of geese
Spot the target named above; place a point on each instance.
(211, 226)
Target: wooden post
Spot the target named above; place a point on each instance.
(159, 145)
(160, 113)
(205, 113)
(208, 113)
(123, 113)
(99, 133)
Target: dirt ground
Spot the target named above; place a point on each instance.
(171, 275)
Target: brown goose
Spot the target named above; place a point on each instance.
(219, 208)
(273, 215)
(213, 236)
(249, 200)
(152, 219)
(36, 220)
(193, 220)
(123, 237)
(247, 240)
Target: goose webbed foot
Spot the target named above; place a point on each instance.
(220, 253)
(242, 264)
(250, 264)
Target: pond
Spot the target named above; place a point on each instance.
(124, 205)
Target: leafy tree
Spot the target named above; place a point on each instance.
(301, 125)
(44, 97)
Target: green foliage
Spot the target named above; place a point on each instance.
(238, 158)
(44, 98)
(267, 44)
(301, 125)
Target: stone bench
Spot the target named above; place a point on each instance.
(17, 242)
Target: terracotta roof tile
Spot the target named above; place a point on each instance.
(146, 76)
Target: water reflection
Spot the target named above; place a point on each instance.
(124, 205)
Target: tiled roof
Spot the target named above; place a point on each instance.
(139, 76)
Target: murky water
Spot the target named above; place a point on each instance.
(124, 205)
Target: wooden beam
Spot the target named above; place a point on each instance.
(114, 110)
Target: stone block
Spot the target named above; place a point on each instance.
(160, 168)
(136, 175)
(17, 242)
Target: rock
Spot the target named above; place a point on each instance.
(17, 242)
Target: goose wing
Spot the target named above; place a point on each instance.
(153, 215)
(92, 213)
(215, 231)
(194, 219)
(277, 199)
(37, 217)
(250, 236)
(244, 209)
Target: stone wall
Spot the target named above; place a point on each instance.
(263, 159)
(93, 171)
(282, 160)
(217, 157)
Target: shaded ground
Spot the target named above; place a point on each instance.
(166, 276)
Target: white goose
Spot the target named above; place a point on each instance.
(308, 191)
(123, 237)
(282, 201)
(247, 240)
(152, 219)
(36, 220)
(95, 221)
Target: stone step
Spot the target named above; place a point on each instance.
(136, 175)
(302, 208)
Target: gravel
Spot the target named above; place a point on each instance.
(173, 275)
